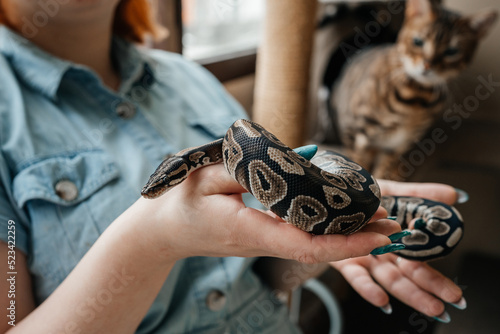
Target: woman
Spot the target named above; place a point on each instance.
(85, 118)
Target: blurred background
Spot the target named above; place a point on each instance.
(224, 36)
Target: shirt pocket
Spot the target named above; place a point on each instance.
(70, 199)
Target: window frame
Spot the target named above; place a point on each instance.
(224, 67)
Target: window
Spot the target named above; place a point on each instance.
(215, 30)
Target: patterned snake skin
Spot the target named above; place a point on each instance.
(329, 194)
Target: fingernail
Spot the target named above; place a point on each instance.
(392, 217)
(387, 249)
(461, 304)
(399, 235)
(462, 196)
(307, 152)
(387, 309)
(419, 224)
(444, 317)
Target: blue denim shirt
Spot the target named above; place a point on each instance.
(74, 155)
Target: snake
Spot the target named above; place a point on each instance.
(328, 194)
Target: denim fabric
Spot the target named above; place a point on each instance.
(59, 123)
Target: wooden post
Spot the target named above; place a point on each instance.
(169, 15)
(283, 66)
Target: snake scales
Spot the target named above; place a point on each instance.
(329, 194)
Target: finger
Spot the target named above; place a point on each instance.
(272, 214)
(215, 179)
(324, 248)
(362, 242)
(366, 240)
(433, 191)
(403, 288)
(383, 226)
(430, 280)
(276, 238)
(361, 281)
(387, 228)
(379, 214)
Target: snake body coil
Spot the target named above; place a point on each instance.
(329, 194)
(437, 237)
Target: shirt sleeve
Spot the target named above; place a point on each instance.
(13, 230)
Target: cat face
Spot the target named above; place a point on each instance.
(436, 44)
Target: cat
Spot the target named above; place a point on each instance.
(388, 96)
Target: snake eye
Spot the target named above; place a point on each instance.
(417, 41)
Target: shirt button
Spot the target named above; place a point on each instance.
(66, 190)
(216, 300)
(125, 110)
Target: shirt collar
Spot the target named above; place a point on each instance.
(35, 67)
(43, 72)
(135, 67)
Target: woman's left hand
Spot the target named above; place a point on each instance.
(414, 283)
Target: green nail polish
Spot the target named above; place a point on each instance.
(392, 217)
(387, 249)
(462, 196)
(444, 318)
(461, 304)
(307, 152)
(419, 224)
(387, 309)
(399, 235)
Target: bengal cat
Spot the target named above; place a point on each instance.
(389, 96)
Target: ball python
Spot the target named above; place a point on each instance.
(326, 195)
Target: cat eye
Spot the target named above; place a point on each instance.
(451, 51)
(418, 42)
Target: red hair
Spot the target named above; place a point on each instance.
(3, 19)
(134, 21)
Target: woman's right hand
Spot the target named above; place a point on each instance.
(205, 216)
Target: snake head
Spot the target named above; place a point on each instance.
(169, 173)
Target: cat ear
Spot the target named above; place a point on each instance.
(482, 22)
(418, 8)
